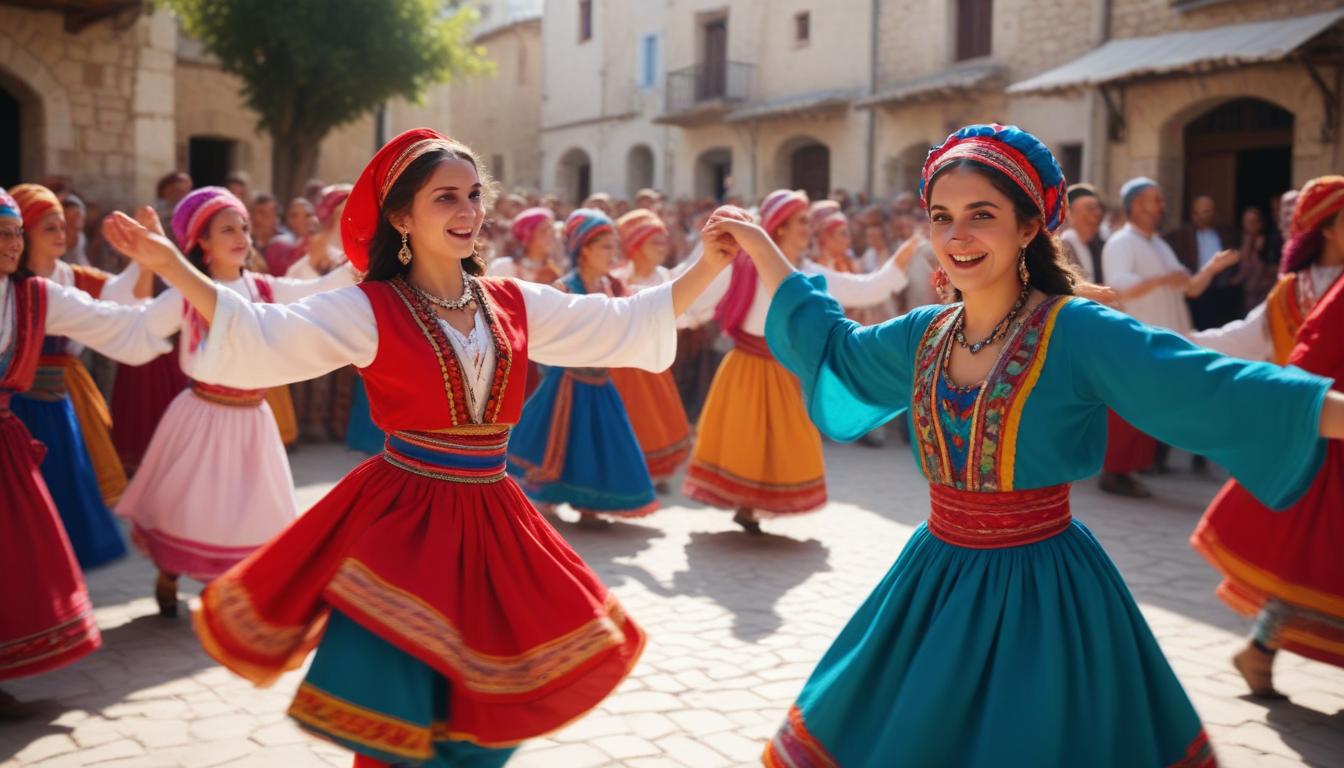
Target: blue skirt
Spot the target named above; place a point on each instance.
(1033, 655)
(361, 434)
(70, 478)
(590, 459)
(371, 678)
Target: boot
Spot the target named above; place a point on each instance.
(747, 520)
(165, 592)
(1123, 485)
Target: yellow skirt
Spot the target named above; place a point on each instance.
(756, 447)
(282, 405)
(95, 422)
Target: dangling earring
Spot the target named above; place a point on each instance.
(1022, 273)
(404, 255)
(940, 281)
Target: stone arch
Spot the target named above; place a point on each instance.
(639, 169)
(574, 174)
(714, 173)
(43, 114)
(803, 162)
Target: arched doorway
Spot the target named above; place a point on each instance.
(901, 172)
(806, 164)
(638, 169)
(714, 173)
(21, 132)
(1240, 153)
(576, 175)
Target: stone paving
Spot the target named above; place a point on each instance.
(735, 624)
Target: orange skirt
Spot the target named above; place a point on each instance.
(95, 423)
(282, 405)
(654, 407)
(756, 447)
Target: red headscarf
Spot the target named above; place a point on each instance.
(1320, 199)
(364, 207)
(35, 201)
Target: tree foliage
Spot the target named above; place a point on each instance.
(308, 66)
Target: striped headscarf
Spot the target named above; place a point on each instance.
(1320, 199)
(527, 222)
(779, 206)
(834, 221)
(636, 227)
(35, 201)
(1011, 151)
(194, 212)
(332, 197)
(581, 227)
(9, 207)
(819, 213)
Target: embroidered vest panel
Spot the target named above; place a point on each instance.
(18, 364)
(991, 439)
(414, 382)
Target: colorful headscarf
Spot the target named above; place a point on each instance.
(363, 208)
(581, 227)
(779, 206)
(637, 226)
(1130, 191)
(819, 212)
(1319, 199)
(527, 222)
(35, 201)
(194, 212)
(1012, 152)
(9, 207)
(332, 197)
(836, 220)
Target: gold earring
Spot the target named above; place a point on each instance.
(1022, 273)
(404, 255)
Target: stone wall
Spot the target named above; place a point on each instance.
(499, 114)
(96, 106)
(1136, 18)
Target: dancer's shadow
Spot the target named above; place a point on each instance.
(1318, 737)
(147, 652)
(747, 575)
(600, 546)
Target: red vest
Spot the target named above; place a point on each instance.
(414, 382)
(30, 300)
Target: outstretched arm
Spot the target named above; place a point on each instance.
(153, 251)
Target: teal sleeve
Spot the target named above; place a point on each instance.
(1259, 421)
(854, 377)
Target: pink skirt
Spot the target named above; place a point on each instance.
(213, 487)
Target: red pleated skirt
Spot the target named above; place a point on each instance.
(46, 619)
(1127, 449)
(140, 396)
(1295, 555)
(453, 566)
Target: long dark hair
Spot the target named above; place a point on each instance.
(1050, 271)
(383, 261)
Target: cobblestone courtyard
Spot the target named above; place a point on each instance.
(735, 625)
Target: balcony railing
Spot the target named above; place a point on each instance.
(706, 84)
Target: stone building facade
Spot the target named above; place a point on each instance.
(111, 101)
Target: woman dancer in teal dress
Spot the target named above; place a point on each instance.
(1003, 635)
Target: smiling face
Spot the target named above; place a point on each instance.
(975, 231)
(227, 239)
(447, 212)
(11, 244)
(793, 235)
(46, 241)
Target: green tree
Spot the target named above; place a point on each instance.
(309, 66)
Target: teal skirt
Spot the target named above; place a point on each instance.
(392, 689)
(1033, 655)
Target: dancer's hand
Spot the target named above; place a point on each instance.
(771, 264)
(143, 245)
(149, 219)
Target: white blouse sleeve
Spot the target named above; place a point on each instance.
(1247, 339)
(288, 291)
(131, 335)
(702, 309)
(120, 288)
(859, 291)
(265, 345)
(594, 330)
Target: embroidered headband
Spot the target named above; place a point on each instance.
(1011, 151)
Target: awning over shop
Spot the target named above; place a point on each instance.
(942, 84)
(819, 102)
(81, 13)
(1205, 50)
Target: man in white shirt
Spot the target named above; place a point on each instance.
(1153, 287)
